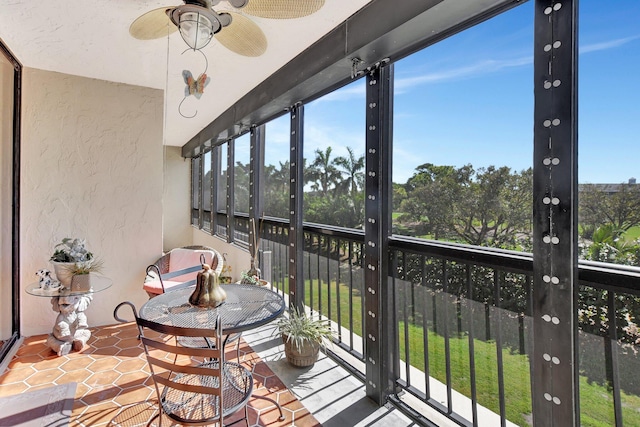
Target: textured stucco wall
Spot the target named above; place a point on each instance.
(92, 167)
(177, 193)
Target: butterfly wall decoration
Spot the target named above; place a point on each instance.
(195, 86)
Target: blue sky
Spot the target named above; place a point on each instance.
(469, 99)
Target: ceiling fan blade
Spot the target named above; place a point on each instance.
(153, 24)
(242, 36)
(282, 9)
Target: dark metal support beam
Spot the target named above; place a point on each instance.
(256, 193)
(555, 230)
(231, 204)
(215, 177)
(296, 189)
(382, 367)
(200, 162)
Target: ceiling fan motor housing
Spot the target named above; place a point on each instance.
(235, 3)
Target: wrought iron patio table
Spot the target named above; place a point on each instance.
(246, 307)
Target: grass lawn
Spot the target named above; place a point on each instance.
(632, 234)
(596, 402)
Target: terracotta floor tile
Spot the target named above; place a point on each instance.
(27, 359)
(81, 390)
(48, 376)
(305, 420)
(96, 415)
(15, 388)
(114, 386)
(76, 363)
(104, 364)
(132, 380)
(75, 376)
(130, 352)
(98, 395)
(131, 365)
(134, 395)
(17, 374)
(131, 342)
(103, 378)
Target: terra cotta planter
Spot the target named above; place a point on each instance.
(302, 357)
(81, 283)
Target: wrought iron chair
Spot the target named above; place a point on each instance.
(179, 268)
(190, 393)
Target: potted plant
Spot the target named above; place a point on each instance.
(252, 280)
(254, 269)
(81, 273)
(70, 257)
(303, 336)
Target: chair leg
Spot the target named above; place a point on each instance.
(272, 401)
(158, 415)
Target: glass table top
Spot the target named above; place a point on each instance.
(97, 284)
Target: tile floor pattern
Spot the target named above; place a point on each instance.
(114, 387)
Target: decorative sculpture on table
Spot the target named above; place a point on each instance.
(71, 257)
(45, 280)
(71, 330)
(208, 292)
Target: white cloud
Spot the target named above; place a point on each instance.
(611, 44)
(351, 91)
(474, 70)
(492, 66)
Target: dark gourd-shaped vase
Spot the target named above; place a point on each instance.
(252, 276)
(208, 292)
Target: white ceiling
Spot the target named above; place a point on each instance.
(90, 38)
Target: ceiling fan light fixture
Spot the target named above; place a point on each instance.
(197, 24)
(238, 3)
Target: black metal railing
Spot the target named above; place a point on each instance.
(464, 327)
(463, 323)
(334, 282)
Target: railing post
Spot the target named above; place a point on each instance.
(267, 266)
(296, 232)
(555, 229)
(379, 323)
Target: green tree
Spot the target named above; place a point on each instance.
(323, 173)
(494, 207)
(241, 184)
(431, 191)
(490, 207)
(617, 205)
(276, 199)
(351, 168)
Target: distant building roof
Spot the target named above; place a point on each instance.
(609, 188)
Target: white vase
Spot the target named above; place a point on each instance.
(63, 272)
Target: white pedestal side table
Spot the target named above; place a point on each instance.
(71, 329)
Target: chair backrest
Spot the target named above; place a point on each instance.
(187, 380)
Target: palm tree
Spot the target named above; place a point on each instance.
(323, 171)
(352, 168)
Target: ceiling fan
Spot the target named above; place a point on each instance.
(198, 22)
